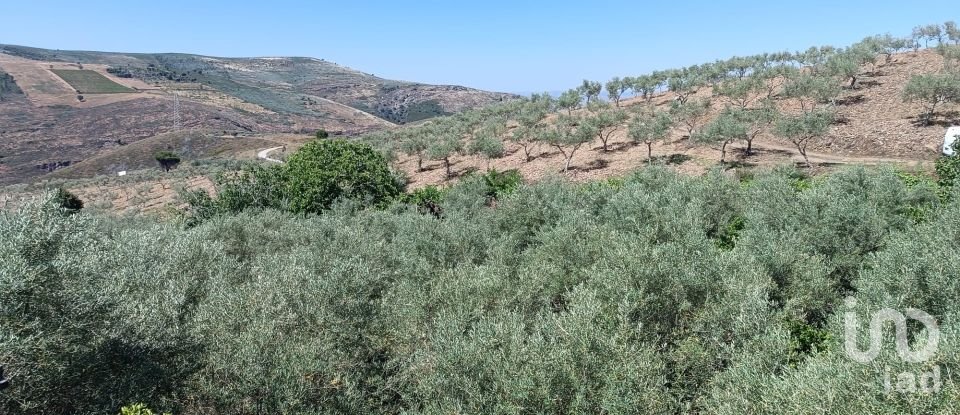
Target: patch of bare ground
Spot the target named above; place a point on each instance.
(877, 122)
(122, 195)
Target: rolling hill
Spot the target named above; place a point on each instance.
(61, 107)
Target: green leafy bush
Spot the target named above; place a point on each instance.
(67, 201)
(948, 167)
(317, 176)
(427, 199)
(321, 172)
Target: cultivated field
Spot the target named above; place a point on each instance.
(86, 81)
(43, 88)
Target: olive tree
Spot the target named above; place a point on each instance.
(811, 90)
(928, 33)
(886, 45)
(932, 90)
(692, 114)
(487, 144)
(569, 101)
(645, 86)
(684, 82)
(951, 57)
(846, 65)
(772, 79)
(814, 58)
(446, 143)
(414, 143)
(741, 91)
(650, 128)
(725, 129)
(756, 120)
(803, 129)
(952, 32)
(528, 138)
(616, 87)
(526, 135)
(568, 135)
(590, 90)
(605, 122)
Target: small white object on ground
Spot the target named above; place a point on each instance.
(949, 138)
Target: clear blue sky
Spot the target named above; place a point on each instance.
(495, 44)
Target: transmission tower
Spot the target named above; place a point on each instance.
(176, 112)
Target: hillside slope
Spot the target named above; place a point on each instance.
(47, 123)
(874, 126)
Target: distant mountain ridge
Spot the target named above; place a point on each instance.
(47, 122)
(278, 78)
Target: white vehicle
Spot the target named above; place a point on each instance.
(949, 138)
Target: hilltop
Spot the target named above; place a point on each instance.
(58, 108)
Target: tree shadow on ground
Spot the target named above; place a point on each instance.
(617, 147)
(940, 119)
(598, 164)
(852, 100)
(672, 159)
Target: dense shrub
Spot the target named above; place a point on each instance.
(657, 294)
(948, 167)
(67, 201)
(322, 172)
(167, 159)
(316, 177)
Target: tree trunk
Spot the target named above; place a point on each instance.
(649, 152)
(802, 148)
(419, 163)
(750, 137)
(566, 157)
(929, 117)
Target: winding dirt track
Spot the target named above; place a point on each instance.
(265, 154)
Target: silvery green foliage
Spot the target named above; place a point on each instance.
(657, 293)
